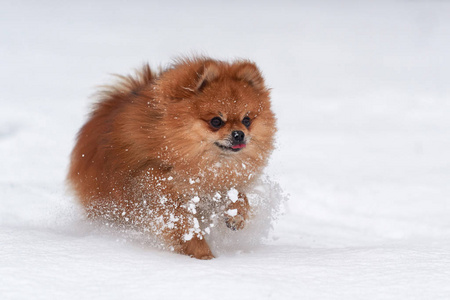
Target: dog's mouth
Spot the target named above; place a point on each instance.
(233, 148)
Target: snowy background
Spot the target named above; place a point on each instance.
(361, 91)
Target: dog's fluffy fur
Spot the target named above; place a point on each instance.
(159, 150)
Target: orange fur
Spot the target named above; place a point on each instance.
(148, 149)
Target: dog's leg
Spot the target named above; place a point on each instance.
(197, 248)
(181, 231)
(237, 213)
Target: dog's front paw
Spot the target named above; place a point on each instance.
(235, 223)
(238, 212)
(197, 248)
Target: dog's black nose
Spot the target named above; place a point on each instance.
(238, 136)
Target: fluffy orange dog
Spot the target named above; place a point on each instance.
(175, 151)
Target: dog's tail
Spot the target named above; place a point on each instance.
(129, 84)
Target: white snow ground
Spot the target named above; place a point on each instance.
(361, 91)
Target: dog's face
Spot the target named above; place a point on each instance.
(234, 118)
(220, 118)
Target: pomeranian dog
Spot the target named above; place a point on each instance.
(174, 151)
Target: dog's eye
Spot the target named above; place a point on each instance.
(246, 121)
(216, 122)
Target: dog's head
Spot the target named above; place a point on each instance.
(219, 111)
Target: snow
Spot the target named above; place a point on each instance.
(360, 90)
(231, 212)
(233, 195)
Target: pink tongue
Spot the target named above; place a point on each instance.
(238, 146)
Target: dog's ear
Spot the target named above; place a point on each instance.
(250, 73)
(187, 77)
(207, 73)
